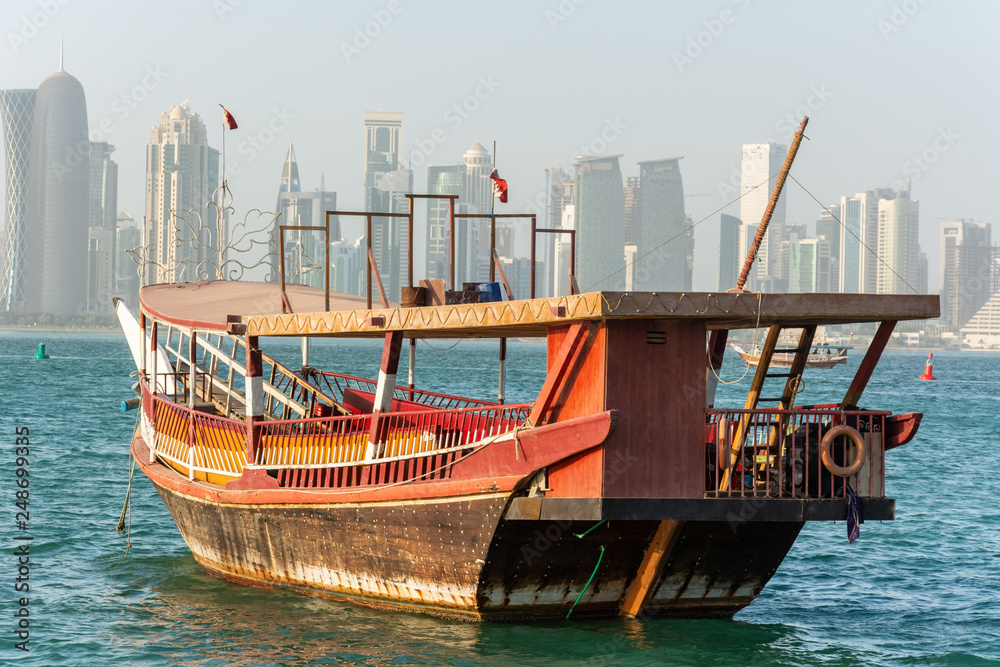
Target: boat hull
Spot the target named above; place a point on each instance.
(463, 558)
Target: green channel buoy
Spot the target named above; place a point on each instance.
(41, 352)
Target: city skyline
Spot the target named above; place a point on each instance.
(862, 134)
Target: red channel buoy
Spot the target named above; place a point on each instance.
(929, 369)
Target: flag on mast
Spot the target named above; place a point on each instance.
(499, 187)
(228, 119)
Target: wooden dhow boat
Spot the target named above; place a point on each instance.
(620, 489)
(821, 355)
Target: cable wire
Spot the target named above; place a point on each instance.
(854, 235)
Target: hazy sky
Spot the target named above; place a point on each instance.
(893, 89)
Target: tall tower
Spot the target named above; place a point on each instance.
(758, 168)
(181, 177)
(968, 269)
(381, 155)
(898, 246)
(303, 248)
(828, 227)
(600, 222)
(730, 261)
(103, 220)
(660, 241)
(56, 269)
(479, 195)
(478, 187)
(859, 239)
(445, 180)
(632, 205)
(17, 111)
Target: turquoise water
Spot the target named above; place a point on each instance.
(924, 589)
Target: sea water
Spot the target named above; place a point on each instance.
(923, 589)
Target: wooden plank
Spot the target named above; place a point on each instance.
(867, 367)
(658, 447)
(385, 389)
(557, 372)
(205, 305)
(503, 276)
(650, 568)
(378, 278)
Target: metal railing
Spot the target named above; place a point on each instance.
(770, 453)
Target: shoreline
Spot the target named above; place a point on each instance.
(58, 329)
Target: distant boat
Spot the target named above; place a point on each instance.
(821, 355)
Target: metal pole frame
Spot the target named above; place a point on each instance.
(368, 215)
(572, 252)
(451, 232)
(492, 217)
(326, 254)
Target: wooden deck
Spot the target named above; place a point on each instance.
(206, 305)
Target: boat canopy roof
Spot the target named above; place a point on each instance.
(214, 305)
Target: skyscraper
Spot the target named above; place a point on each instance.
(828, 227)
(390, 236)
(181, 178)
(303, 248)
(730, 261)
(632, 210)
(446, 180)
(478, 187)
(859, 233)
(479, 197)
(56, 268)
(968, 270)
(17, 112)
(660, 242)
(103, 221)
(381, 155)
(600, 223)
(758, 168)
(545, 244)
(809, 265)
(386, 183)
(898, 246)
(561, 258)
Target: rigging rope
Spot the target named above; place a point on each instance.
(753, 345)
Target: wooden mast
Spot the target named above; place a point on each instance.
(775, 194)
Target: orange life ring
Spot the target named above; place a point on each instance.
(723, 453)
(824, 448)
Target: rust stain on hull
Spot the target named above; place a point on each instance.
(457, 558)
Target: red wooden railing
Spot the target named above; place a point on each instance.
(409, 445)
(195, 441)
(336, 383)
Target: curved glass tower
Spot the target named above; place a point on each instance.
(17, 110)
(56, 268)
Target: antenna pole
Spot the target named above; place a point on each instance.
(775, 194)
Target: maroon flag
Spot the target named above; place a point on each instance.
(499, 187)
(228, 119)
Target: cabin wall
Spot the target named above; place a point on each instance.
(657, 449)
(582, 393)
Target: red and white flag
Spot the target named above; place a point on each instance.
(228, 119)
(499, 187)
